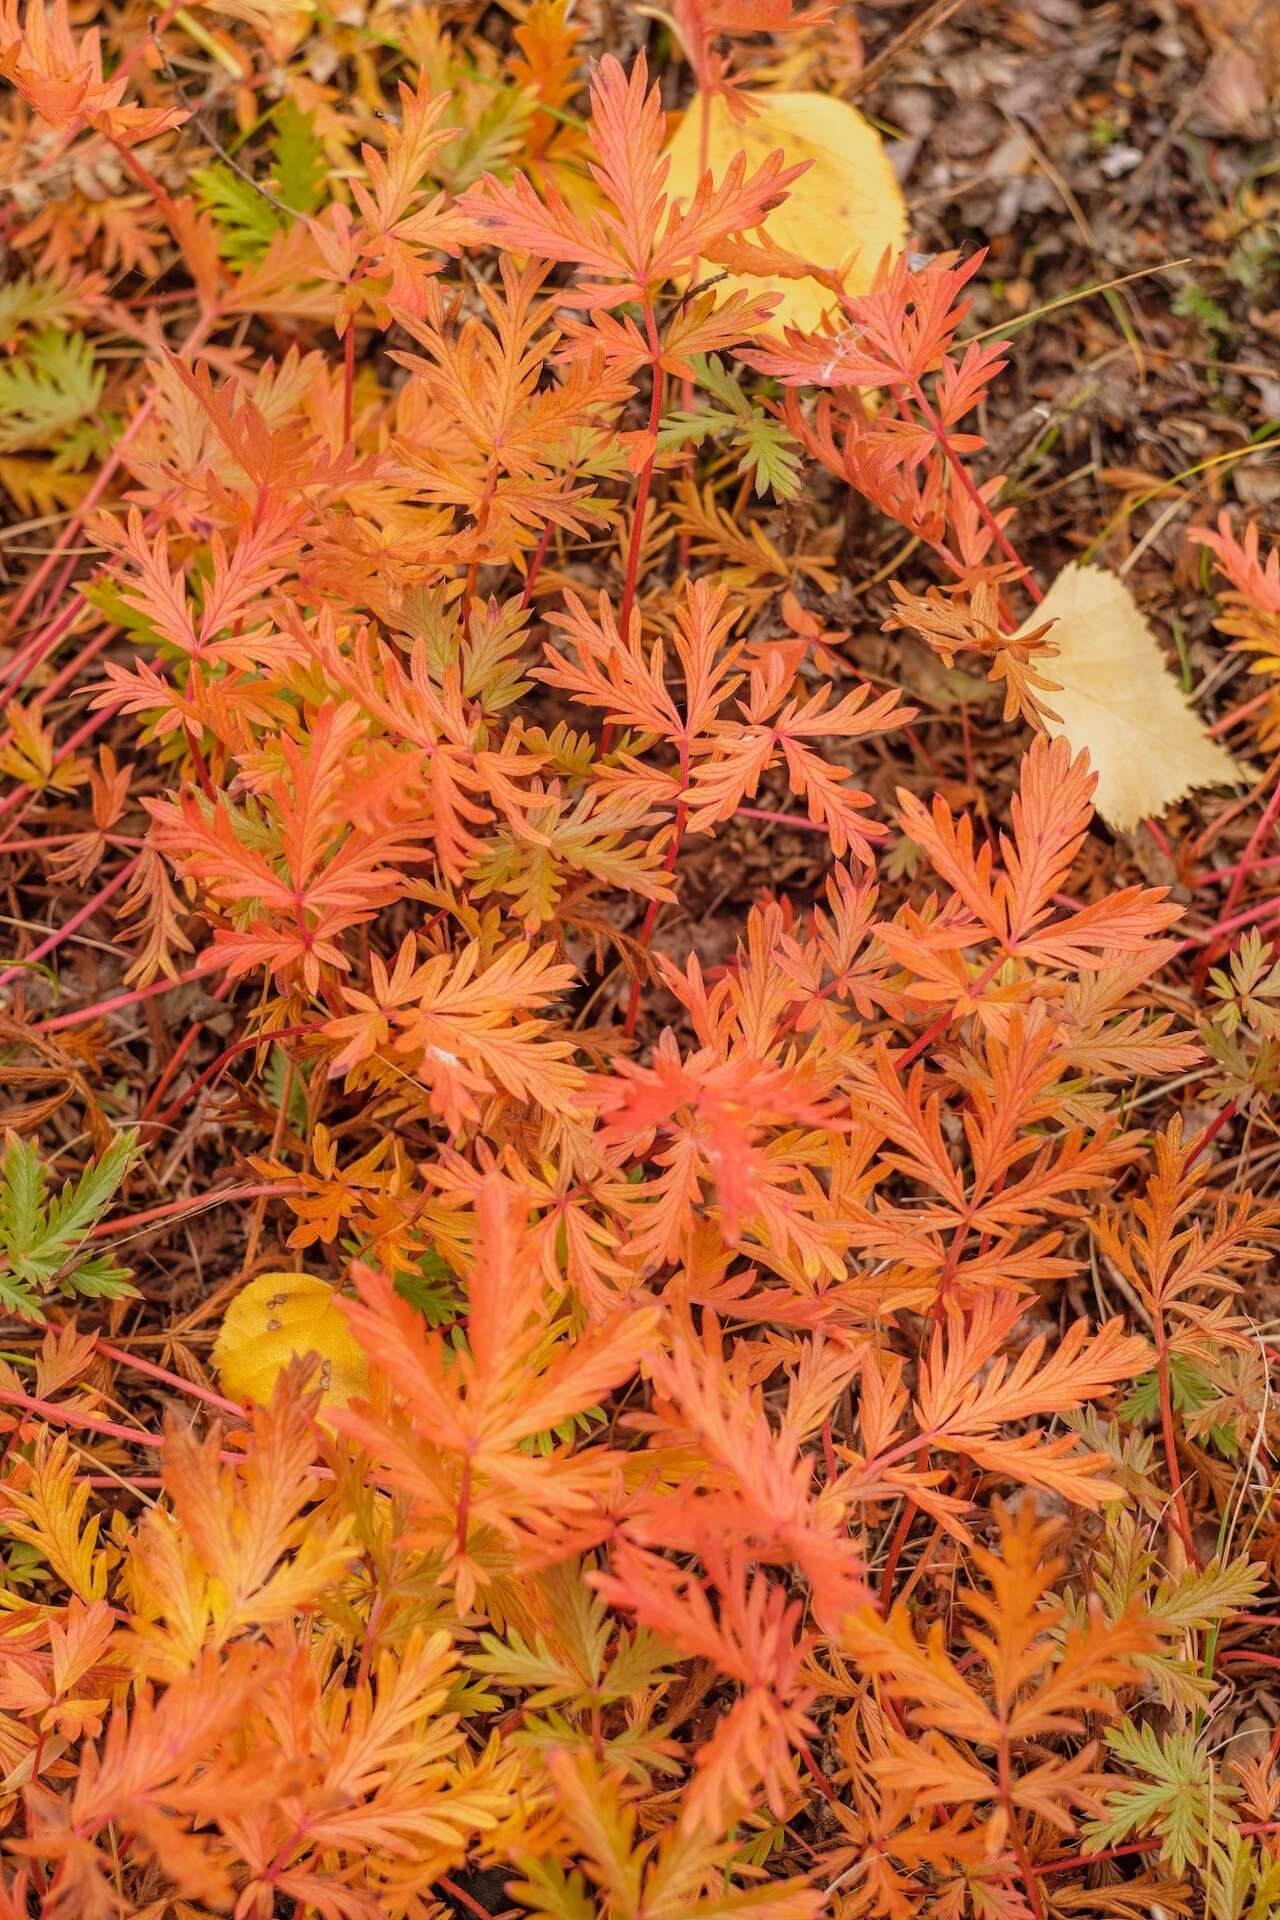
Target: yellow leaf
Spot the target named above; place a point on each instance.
(842, 214)
(1118, 700)
(50, 1513)
(37, 487)
(277, 1316)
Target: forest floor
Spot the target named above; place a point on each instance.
(1113, 146)
(1115, 160)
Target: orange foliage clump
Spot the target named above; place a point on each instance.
(809, 1407)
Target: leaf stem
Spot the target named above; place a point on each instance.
(77, 920)
(646, 472)
(968, 484)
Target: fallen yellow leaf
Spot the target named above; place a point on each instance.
(1116, 698)
(277, 1316)
(842, 214)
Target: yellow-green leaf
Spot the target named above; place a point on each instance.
(277, 1316)
(842, 214)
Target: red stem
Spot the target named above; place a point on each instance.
(646, 472)
(1248, 1829)
(1170, 1437)
(1026, 1871)
(1211, 1132)
(1262, 911)
(147, 180)
(1247, 861)
(944, 1020)
(72, 1417)
(348, 379)
(100, 1007)
(43, 695)
(969, 485)
(176, 1059)
(127, 1222)
(190, 1387)
(90, 501)
(215, 1067)
(460, 1894)
(68, 927)
(535, 565)
(28, 657)
(1218, 874)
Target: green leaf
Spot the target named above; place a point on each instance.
(431, 1288)
(1200, 1599)
(77, 1207)
(576, 1668)
(636, 1750)
(100, 1278)
(299, 167)
(30, 302)
(714, 376)
(41, 1239)
(549, 1890)
(577, 1423)
(769, 455)
(246, 222)
(1178, 1801)
(18, 1300)
(22, 1194)
(1244, 1883)
(274, 1079)
(680, 429)
(639, 1661)
(1193, 303)
(1188, 1388)
(105, 597)
(535, 1671)
(47, 391)
(490, 136)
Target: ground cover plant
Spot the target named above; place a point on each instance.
(641, 1018)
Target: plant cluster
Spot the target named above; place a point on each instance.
(800, 1445)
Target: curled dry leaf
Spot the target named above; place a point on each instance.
(845, 212)
(1244, 27)
(276, 1317)
(1114, 697)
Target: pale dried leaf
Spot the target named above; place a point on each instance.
(1115, 698)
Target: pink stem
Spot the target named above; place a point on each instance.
(125, 1222)
(1265, 822)
(191, 1387)
(68, 927)
(1261, 910)
(215, 1067)
(970, 486)
(84, 1014)
(29, 657)
(1219, 874)
(90, 501)
(177, 1057)
(71, 1417)
(781, 819)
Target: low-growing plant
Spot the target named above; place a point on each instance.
(809, 1448)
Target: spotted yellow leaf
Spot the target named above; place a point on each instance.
(1116, 698)
(277, 1316)
(842, 214)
